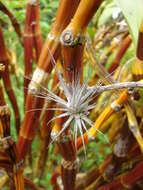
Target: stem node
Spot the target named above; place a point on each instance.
(68, 39)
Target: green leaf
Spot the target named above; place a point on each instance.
(44, 2)
(133, 13)
(106, 13)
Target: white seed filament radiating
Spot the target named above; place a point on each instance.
(77, 105)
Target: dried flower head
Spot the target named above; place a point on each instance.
(76, 107)
(78, 102)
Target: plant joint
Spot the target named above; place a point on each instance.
(70, 165)
(115, 107)
(68, 39)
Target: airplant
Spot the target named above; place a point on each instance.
(77, 102)
(70, 112)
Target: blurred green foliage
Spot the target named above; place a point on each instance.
(47, 13)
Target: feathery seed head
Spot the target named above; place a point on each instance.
(76, 107)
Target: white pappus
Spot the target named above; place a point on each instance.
(77, 103)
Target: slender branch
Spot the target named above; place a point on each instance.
(117, 86)
(14, 21)
(139, 52)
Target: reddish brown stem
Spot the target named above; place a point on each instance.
(87, 179)
(73, 62)
(45, 134)
(127, 180)
(32, 39)
(54, 182)
(140, 43)
(62, 19)
(14, 21)
(122, 50)
(29, 184)
(7, 82)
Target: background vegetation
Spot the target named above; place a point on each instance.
(131, 13)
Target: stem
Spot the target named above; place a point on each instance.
(7, 82)
(122, 50)
(9, 146)
(126, 180)
(45, 66)
(116, 86)
(137, 69)
(80, 21)
(14, 21)
(109, 110)
(139, 52)
(32, 39)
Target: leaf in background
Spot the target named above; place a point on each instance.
(133, 13)
(107, 11)
(44, 2)
(53, 4)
